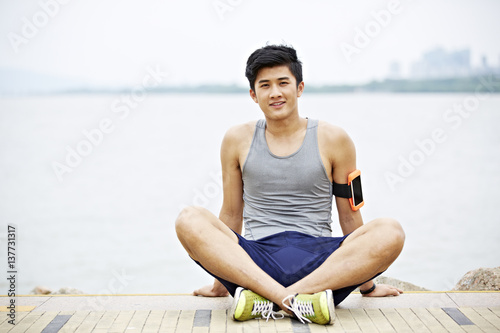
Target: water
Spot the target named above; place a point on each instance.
(108, 226)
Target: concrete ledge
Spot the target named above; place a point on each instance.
(423, 300)
(410, 312)
(188, 302)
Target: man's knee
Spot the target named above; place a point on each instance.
(393, 227)
(391, 232)
(188, 221)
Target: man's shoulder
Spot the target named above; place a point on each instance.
(240, 132)
(331, 133)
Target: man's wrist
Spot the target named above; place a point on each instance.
(368, 290)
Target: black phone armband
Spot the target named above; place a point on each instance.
(351, 190)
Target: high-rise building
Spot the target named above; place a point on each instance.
(395, 70)
(439, 63)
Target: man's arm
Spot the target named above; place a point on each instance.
(339, 157)
(343, 161)
(234, 150)
(231, 212)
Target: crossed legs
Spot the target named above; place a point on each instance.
(369, 250)
(213, 244)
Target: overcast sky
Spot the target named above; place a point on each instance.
(208, 41)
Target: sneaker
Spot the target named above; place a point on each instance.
(317, 308)
(249, 305)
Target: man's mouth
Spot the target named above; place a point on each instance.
(276, 104)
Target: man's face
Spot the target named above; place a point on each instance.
(276, 92)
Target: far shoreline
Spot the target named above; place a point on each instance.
(486, 84)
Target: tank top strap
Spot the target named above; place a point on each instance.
(310, 144)
(311, 123)
(261, 124)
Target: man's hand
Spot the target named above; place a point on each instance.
(216, 289)
(382, 290)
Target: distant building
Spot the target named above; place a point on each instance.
(394, 70)
(439, 63)
(484, 62)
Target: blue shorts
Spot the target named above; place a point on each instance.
(289, 256)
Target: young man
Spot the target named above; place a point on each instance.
(277, 182)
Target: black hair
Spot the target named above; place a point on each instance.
(270, 56)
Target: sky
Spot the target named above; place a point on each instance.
(196, 42)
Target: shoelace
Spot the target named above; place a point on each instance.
(266, 310)
(299, 308)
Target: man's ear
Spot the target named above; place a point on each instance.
(300, 89)
(254, 96)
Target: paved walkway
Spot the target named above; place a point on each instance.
(410, 312)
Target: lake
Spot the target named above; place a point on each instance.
(93, 183)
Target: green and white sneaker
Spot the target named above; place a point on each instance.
(249, 305)
(317, 308)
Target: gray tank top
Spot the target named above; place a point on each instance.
(286, 193)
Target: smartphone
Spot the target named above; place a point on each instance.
(354, 181)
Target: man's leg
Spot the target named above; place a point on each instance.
(213, 244)
(367, 251)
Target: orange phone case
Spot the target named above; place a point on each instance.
(351, 176)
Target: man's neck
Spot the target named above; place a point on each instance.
(285, 127)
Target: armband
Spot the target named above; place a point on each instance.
(351, 190)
